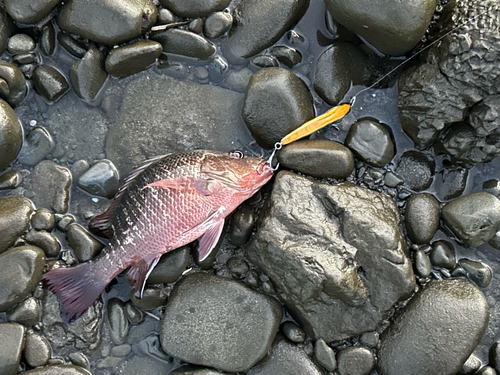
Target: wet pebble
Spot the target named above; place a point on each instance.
(134, 315)
(492, 186)
(12, 339)
(45, 241)
(237, 80)
(196, 25)
(477, 272)
(325, 356)
(21, 269)
(486, 370)
(276, 102)
(443, 254)
(11, 135)
(10, 179)
(83, 244)
(422, 217)
(130, 59)
(371, 141)
(29, 11)
(370, 339)
(78, 168)
(242, 225)
(14, 219)
(43, 219)
(451, 182)
(52, 185)
(59, 370)
(16, 84)
(355, 360)
(26, 312)
(87, 76)
(118, 322)
(237, 266)
(108, 21)
(474, 218)
(49, 83)
(74, 46)
(152, 298)
(422, 263)
(184, 43)
(416, 169)
(217, 24)
(63, 221)
(47, 41)
(101, 179)
(165, 16)
(121, 350)
(454, 305)
(36, 146)
(194, 8)
(471, 365)
(286, 55)
(318, 158)
(265, 61)
(293, 332)
(170, 266)
(337, 68)
(24, 59)
(20, 43)
(235, 339)
(37, 351)
(392, 180)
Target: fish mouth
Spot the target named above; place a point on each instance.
(265, 168)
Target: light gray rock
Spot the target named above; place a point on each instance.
(293, 332)
(51, 184)
(118, 323)
(325, 355)
(12, 338)
(20, 43)
(37, 351)
(101, 179)
(355, 360)
(14, 219)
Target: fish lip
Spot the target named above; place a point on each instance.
(264, 168)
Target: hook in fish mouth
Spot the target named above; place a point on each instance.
(270, 160)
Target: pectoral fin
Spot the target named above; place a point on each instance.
(208, 241)
(139, 271)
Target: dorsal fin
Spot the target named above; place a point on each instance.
(100, 225)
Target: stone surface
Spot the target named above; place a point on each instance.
(217, 24)
(118, 323)
(26, 312)
(258, 24)
(15, 81)
(477, 272)
(87, 76)
(152, 297)
(422, 217)
(83, 244)
(286, 55)
(318, 158)
(453, 314)
(59, 370)
(43, 219)
(293, 332)
(12, 339)
(276, 102)
(49, 83)
(29, 11)
(51, 184)
(101, 179)
(474, 218)
(183, 42)
(11, 135)
(194, 8)
(218, 322)
(21, 270)
(14, 219)
(130, 59)
(45, 241)
(355, 360)
(10, 179)
(325, 356)
(37, 145)
(170, 266)
(416, 169)
(443, 254)
(450, 182)
(37, 351)
(334, 253)
(20, 43)
(242, 224)
(422, 263)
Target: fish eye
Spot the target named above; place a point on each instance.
(237, 154)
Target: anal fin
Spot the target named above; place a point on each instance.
(139, 271)
(209, 240)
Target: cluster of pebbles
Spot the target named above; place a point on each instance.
(363, 256)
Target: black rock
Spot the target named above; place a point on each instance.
(130, 59)
(355, 360)
(87, 76)
(242, 225)
(422, 217)
(443, 254)
(416, 169)
(194, 8)
(101, 179)
(29, 11)
(49, 83)
(170, 267)
(184, 43)
(83, 244)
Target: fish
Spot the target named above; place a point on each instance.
(165, 203)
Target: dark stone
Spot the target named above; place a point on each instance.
(443, 254)
(37, 351)
(450, 183)
(170, 266)
(492, 186)
(416, 169)
(152, 298)
(318, 158)
(237, 266)
(370, 339)
(74, 46)
(184, 43)
(325, 356)
(101, 179)
(12, 339)
(118, 322)
(15, 215)
(45, 241)
(265, 61)
(356, 360)
(10, 179)
(29, 11)
(455, 306)
(494, 355)
(49, 83)
(293, 332)
(5, 30)
(24, 59)
(130, 59)
(422, 217)
(276, 102)
(83, 244)
(196, 25)
(87, 76)
(194, 8)
(37, 145)
(217, 24)
(47, 41)
(134, 315)
(16, 84)
(51, 184)
(477, 272)
(486, 370)
(286, 55)
(422, 263)
(165, 17)
(242, 225)
(11, 135)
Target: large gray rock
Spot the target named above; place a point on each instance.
(29, 11)
(218, 322)
(12, 338)
(59, 370)
(450, 314)
(15, 215)
(11, 135)
(335, 254)
(393, 27)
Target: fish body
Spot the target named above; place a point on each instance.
(166, 203)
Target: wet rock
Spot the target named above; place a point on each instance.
(130, 59)
(265, 61)
(45, 241)
(20, 43)
(450, 183)
(108, 22)
(184, 43)
(74, 46)
(318, 158)
(237, 266)
(37, 351)
(5, 30)
(235, 339)
(170, 266)
(16, 84)
(286, 55)
(21, 270)
(37, 145)
(194, 8)
(355, 360)
(83, 244)
(118, 323)
(47, 41)
(59, 370)
(43, 219)
(196, 25)
(325, 356)
(51, 184)
(63, 221)
(217, 24)
(393, 28)
(474, 218)
(26, 312)
(285, 359)
(237, 80)
(121, 350)
(49, 83)
(29, 11)
(471, 365)
(242, 225)
(370, 339)
(422, 263)
(486, 370)
(165, 17)
(337, 68)
(10, 180)
(416, 169)
(477, 272)
(87, 76)
(134, 315)
(12, 338)
(78, 168)
(329, 275)
(276, 102)
(24, 58)
(293, 332)
(154, 114)
(11, 135)
(101, 179)
(371, 141)
(14, 219)
(258, 24)
(455, 305)
(443, 254)
(422, 217)
(152, 298)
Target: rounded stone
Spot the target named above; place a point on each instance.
(170, 266)
(217, 24)
(355, 360)
(416, 169)
(265, 61)
(495, 241)
(471, 365)
(83, 244)
(20, 43)
(101, 179)
(325, 356)
(422, 263)
(318, 158)
(371, 141)
(196, 25)
(370, 339)
(486, 370)
(217, 322)
(29, 11)
(422, 217)
(37, 351)
(26, 312)
(286, 55)
(165, 17)
(45, 241)
(10, 179)
(242, 224)
(11, 135)
(130, 59)
(74, 46)
(194, 8)
(51, 184)
(49, 83)
(443, 254)
(118, 322)
(15, 215)
(43, 219)
(47, 39)
(183, 42)
(477, 272)
(456, 307)
(152, 298)
(134, 315)
(5, 31)
(237, 266)
(451, 182)
(474, 218)
(293, 332)
(492, 186)
(12, 339)
(15, 81)
(276, 102)
(21, 269)
(37, 145)
(87, 76)
(59, 370)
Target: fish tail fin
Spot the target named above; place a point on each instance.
(76, 288)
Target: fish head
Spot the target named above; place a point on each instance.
(243, 173)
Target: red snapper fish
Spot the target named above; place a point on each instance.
(165, 203)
